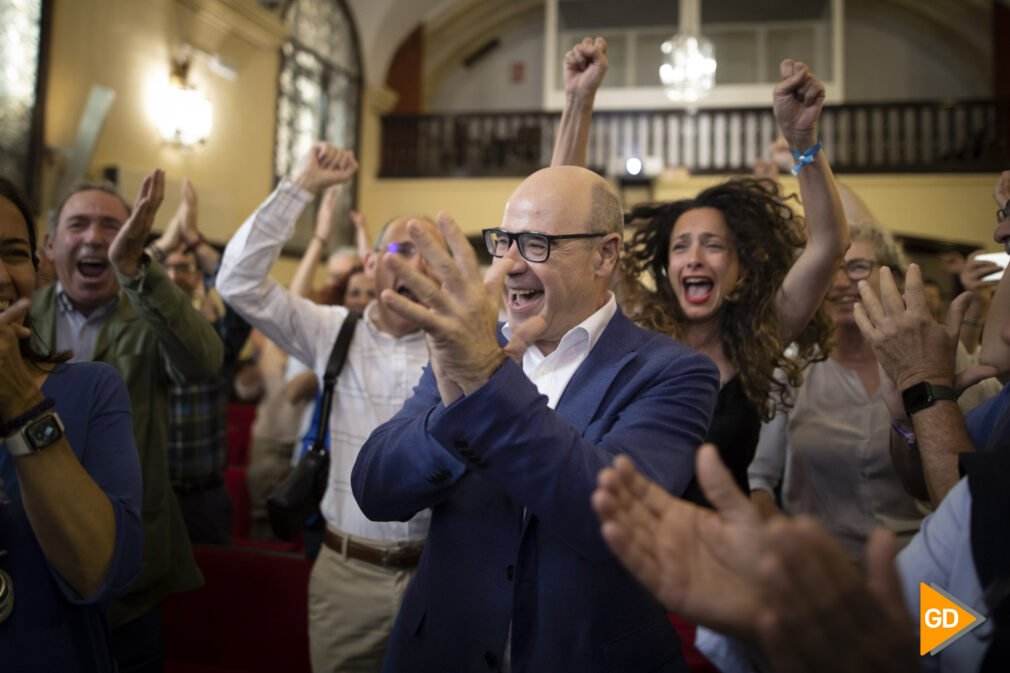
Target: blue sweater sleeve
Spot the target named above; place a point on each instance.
(95, 408)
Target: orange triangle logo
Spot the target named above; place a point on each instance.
(942, 619)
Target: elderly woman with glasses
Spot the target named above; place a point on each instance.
(830, 452)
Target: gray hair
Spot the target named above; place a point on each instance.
(889, 251)
(84, 186)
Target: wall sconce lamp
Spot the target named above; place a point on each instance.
(184, 116)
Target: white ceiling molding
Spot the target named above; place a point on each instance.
(208, 22)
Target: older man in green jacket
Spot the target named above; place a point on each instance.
(113, 304)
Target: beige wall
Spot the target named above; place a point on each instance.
(126, 45)
(955, 208)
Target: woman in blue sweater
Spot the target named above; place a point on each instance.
(70, 487)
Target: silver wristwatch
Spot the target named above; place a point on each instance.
(42, 431)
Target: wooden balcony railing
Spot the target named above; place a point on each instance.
(909, 137)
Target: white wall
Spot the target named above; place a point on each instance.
(892, 52)
(488, 85)
(895, 54)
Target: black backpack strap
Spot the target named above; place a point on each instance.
(338, 356)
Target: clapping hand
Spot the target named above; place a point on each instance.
(187, 213)
(908, 343)
(127, 248)
(699, 563)
(456, 308)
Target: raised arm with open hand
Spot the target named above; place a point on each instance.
(188, 213)
(127, 248)
(912, 348)
(909, 344)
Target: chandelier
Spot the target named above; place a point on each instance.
(688, 69)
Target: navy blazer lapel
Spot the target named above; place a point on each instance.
(584, 393)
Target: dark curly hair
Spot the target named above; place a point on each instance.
(9, 191)
(767, 236)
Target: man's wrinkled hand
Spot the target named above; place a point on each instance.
(698, 562)
(909, 344)
(127, 249)
(454, 307)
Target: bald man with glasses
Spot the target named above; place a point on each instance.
(505, 450)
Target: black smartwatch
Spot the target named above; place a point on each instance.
(37, 434)
(923, 394)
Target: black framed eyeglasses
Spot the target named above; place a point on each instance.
(1003, 213)
(859, 269)
(533, 247)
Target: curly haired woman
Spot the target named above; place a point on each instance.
(731, 272)
(721, 265)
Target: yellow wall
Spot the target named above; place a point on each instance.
(126, 45)
(955, 208)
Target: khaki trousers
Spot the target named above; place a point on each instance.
(352, 607)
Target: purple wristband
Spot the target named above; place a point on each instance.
(907, 435)
(13, 425)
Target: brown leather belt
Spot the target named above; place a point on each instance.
(387, 558)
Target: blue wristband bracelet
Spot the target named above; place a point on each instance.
(804, 158)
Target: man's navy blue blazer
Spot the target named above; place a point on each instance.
(501, 452)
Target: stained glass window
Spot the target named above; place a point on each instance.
(20, 39)
(319, 93)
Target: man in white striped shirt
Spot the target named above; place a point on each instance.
(363, 568)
